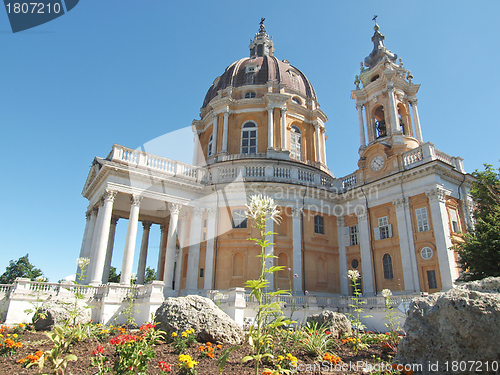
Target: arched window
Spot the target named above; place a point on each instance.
(295, 143)
(210, 150)
(249, 138)
(250, 95)
(238, 265)
(380, 126)
(387, 260)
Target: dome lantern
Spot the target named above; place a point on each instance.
(262, 44)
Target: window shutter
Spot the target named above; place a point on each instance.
(390, 230)
(376, 232)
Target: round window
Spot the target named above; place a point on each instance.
(426, 253)
(354, 264)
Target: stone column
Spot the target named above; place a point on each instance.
(225, 131)
(440, 222)
(344, 282)
(128, 253)
(393, 109)
(180, 257)
(109, 251)
(168, 275)
(283, 128)
(143, 255)
(270, 251)
(405, 246)
(366, 256)
(162, 253)
(362, 140)
(85, 240)
(214, 132)
(323, 145)
(209, 256)
(270, 128)
(297, 249)
(102, 234)
(194, 251)
(416, 120)
(318, 147)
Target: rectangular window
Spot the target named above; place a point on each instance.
(202, 272)
(454, 221)
(353, 235)
(204, 223)
(422, 220)
(239, 219)
(384, 228)
(431, 279)
(319, 224)
(204, 236)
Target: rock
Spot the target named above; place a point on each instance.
(56, 312)
(335, 322)
(209, 322)
(462, 324)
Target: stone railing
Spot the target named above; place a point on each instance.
(428, 152)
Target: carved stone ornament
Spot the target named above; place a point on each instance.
(360, 212)
(174, 208)
(340, 221)
(211, 212)
(375, 98)
(296, 211)
(88, 214)
(136, 200)
(198, 211)
(399, 203)
(109, 195)
(436, 194)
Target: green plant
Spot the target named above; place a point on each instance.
(57, 357)
(9, 344)
(135, 351)
(314, 339)
(36, 309)
(392, 336)
(269, 314)
(128, 312)
(355, 318)
(100, 361)
(184, 340)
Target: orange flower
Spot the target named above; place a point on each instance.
(267, 372)
(20, 360)
(209, 343)
(201, 348)
(219, 346)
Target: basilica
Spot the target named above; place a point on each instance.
(261, 131)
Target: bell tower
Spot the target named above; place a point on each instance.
(385, 92)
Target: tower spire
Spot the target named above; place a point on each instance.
(379, 50)
(262, 44)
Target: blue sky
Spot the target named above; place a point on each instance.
(127, 72)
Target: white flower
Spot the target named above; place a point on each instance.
(262, 207)
(353, 274)
(82, 262)
(386, 293)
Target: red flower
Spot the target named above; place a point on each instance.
(164, 366)
(328, 332)
(100, 349)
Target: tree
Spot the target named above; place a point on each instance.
(150, 275)
(20, 268)
(113, 276)
(479, 253)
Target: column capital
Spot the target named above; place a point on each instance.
(359, 106)
(340, 221)
(109, 195)
(399, 203)
(174, 208)
(147, 224)
(413, 101)
(198, 211)
(226, 112)
(297, 211)
(136, 200)
(283, 109)
(211, 212)
(361, 213)
(88, 214)
(436, 195)
(114, 220)
(390, 87)
(94, 210)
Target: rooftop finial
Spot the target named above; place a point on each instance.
(262, 28)
(374, 19)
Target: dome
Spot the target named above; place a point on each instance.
(259, 69)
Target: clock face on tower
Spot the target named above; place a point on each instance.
(377, 163)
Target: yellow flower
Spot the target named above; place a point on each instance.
(14, 335)
(280, 358)
(184, 334)
(184, 358)
(191, 364)
(174, 334)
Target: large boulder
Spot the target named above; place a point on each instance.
(209, 322)
(335, 322)
(462, 324)
(57, 312)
